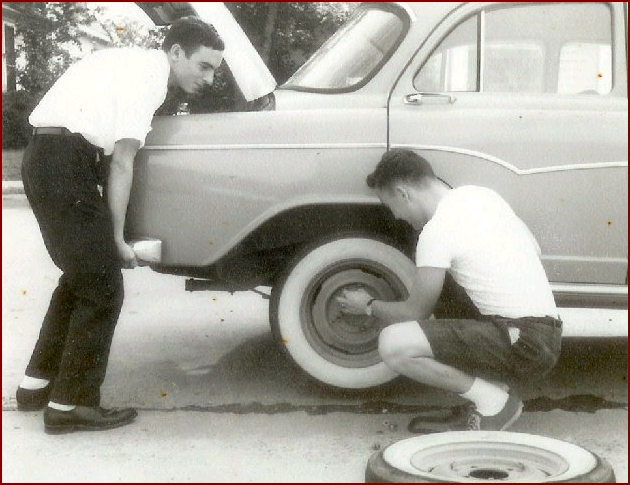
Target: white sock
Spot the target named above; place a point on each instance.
(489, 399)
(61, 407)
(33, 383)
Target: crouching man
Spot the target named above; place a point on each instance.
(473, 234)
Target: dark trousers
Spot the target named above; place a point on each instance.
(61, 178)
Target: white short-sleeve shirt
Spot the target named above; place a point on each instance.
(477, 237)
(107, 96)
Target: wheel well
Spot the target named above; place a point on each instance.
(263, 255)
(306, 224)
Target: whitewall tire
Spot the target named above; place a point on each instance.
(334, 348)
(484, 456)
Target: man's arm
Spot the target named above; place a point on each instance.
(423, 295)
(118, 190)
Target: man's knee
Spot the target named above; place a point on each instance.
(400, 342)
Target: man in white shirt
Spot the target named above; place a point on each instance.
(102, 105)
(471, 233)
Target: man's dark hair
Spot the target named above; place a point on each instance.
(399, 165)
(191, 33)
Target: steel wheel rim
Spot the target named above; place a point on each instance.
(346, 340)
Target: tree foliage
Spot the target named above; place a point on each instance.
(129, 33)
(287, 33)
(46, 29)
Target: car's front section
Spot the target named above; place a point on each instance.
(232, 196)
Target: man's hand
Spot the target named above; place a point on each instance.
(354, 302)
(127, 255)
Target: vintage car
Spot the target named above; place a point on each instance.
(528, 99)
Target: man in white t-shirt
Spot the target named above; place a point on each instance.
(102, 105)
(472, 234)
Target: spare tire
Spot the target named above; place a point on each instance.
(482, 456)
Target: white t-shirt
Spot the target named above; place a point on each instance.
(489, 251)
(107, 96)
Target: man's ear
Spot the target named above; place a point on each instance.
(176, 51)
(402, 192)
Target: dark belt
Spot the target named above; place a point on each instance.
(53, 130)
(518, 322)
(63, 131)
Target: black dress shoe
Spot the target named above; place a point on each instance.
(84, 418)
(32, 399)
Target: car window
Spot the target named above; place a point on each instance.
(352, 54)
(543, 48)
(453, 66)
(585, 68)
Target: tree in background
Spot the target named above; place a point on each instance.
(129, 33)
(287, 33)
(46, 29)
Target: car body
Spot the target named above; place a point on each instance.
(530, 100)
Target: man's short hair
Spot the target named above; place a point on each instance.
(399, 165)
(191, 33)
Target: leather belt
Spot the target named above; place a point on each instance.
(54, 130)
(523, 321)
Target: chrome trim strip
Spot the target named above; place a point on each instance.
(590, 289)
(268, 146)
(355, 146)
(509, 166)
(553, 257)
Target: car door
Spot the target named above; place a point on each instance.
(531, 100)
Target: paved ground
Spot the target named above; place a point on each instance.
(218, 402)
(196, 446)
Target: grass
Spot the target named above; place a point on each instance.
(11, 164)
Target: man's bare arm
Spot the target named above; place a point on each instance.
(423, 295)
(118, 190)
(422, 298)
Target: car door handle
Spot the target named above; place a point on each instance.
(417, 98)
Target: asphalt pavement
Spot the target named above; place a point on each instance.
(219, 402)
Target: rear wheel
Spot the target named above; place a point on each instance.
(483, 456)
(335, 348)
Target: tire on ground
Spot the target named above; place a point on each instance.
(482, 456)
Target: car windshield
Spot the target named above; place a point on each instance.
(352, 54)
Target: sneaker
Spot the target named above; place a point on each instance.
(500, 421)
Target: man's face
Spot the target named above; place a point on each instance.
(405, 204)
(192, 73)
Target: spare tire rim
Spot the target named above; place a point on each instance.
(509, 459)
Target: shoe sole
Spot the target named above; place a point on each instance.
(54, 430)
(514, 417)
